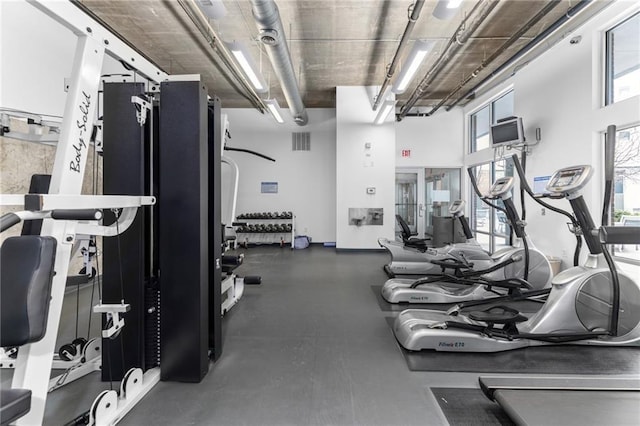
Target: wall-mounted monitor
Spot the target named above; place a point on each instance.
(507, 132)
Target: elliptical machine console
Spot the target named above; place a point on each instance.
(501, 188)
(456, 209)
(570, 180)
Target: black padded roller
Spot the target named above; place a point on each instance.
(253, 280)
(84, 214)
(8, 220)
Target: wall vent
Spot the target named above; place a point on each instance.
(301, 141)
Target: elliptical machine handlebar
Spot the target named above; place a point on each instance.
(512, 215)
(509, 208)
(537, 198)
(619, 234)
(474, 184)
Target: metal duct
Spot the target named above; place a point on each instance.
(201, 22)
(271, 33)
(526, 27)
(460, 37)
(413, 17)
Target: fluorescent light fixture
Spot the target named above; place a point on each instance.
(248, 66)
(446, 9)
(415, 58)
(386, 107)
(274, 109)
(214, 9)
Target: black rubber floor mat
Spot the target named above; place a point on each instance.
(557, 359)
(465, 406)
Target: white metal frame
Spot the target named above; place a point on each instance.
(34, 361)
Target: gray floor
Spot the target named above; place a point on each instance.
(310, 346)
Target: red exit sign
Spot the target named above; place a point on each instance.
(406, 153)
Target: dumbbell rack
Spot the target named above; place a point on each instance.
(265, 232)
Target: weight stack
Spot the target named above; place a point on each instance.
(125, 171)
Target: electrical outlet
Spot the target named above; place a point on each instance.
(543, 211)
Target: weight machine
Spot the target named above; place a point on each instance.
(179, 235)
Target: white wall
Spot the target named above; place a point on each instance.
(560, 92)
(306, 180)
(36, 55)
(435, 141)
(37, 52)
(358, 168)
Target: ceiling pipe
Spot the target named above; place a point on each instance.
(413, 17)
(456, 42)
(271, 34)
(202, 24)
(515, 37)
(528, 47)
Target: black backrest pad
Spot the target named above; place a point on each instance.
(26, 273)
(406, 231)
(39, 185)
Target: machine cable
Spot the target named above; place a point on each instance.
(226, 148)
(121, 283)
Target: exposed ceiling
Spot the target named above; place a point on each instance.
(332, 42)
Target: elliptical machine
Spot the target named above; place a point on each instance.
(512, 269)
(413, 256)
(591, 304)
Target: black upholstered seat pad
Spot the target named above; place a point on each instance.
(26, 272)
(14, 403)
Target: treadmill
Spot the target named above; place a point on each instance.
(566, 400)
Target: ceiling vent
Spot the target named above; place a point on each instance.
(301, 141)
(269, 37)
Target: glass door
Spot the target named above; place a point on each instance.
(410, 199)
(441, 188)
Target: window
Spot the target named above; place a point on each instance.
(623, 61)
(480, 124)
(481, 121)
(490, 225)
(626, 202)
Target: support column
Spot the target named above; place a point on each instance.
(184, 234)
